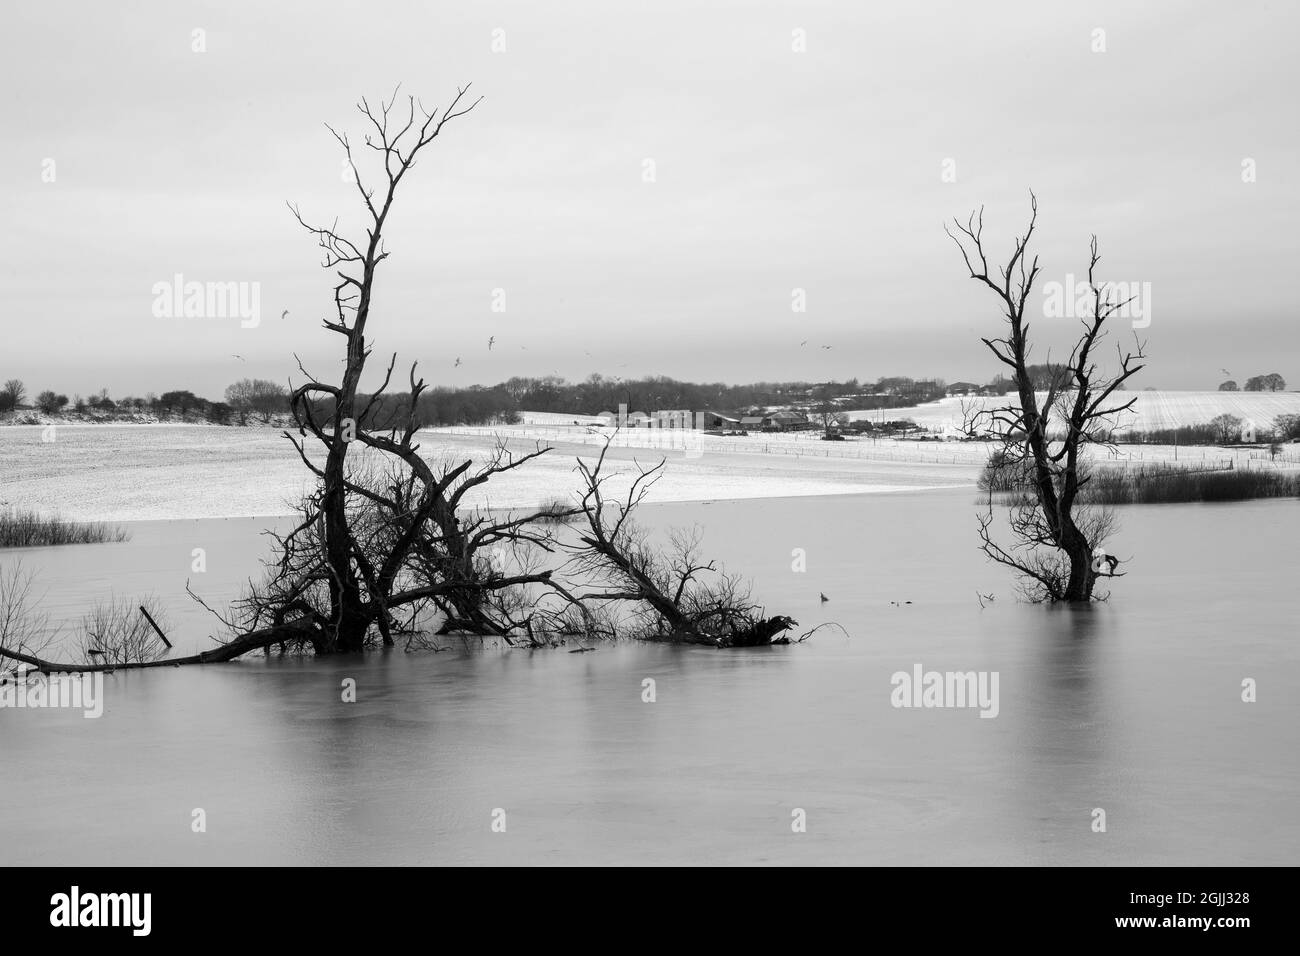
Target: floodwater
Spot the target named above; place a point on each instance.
(1133, 707)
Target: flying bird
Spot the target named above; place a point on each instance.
(803, 343)
(825, 346)
(491, 341)
(457, 365)
(824, 598)
(240, 357)
(284, 315)
(1225, 371)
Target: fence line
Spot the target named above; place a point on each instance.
(688, 442)
(670, 439)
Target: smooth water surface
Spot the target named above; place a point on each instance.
(1133, 706)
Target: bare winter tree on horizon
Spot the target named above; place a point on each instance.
(1045, 438)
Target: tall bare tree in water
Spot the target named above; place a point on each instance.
(398, 138)
(386, 533)
(1045, 439)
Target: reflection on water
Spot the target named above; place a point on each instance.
(1132, 706)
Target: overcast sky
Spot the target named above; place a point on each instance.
(774, 170)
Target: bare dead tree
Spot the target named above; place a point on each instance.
(676, 595)
(398, 138)
(1054, 549)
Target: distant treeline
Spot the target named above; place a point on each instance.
(259, 400)
(1049, 374)
(247, 400)
(1272, 382)
(503, 402)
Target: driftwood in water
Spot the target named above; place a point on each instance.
(760, 633)
(154, 624)
(255, 641)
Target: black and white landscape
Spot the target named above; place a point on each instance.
(683, 433)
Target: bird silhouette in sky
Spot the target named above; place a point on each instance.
(803, 343)
(824, 598)
(491, 341)
(284, 315)
(826, 346)
(1225, 371)
(457, 365)
(240, 357)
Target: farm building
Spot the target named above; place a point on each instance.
(674, 418)
(785, 421)
(723, 420)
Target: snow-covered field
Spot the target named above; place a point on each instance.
(150, 472)
(143, 472)
(1151, 411)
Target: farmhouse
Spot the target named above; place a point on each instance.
(785, 421)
